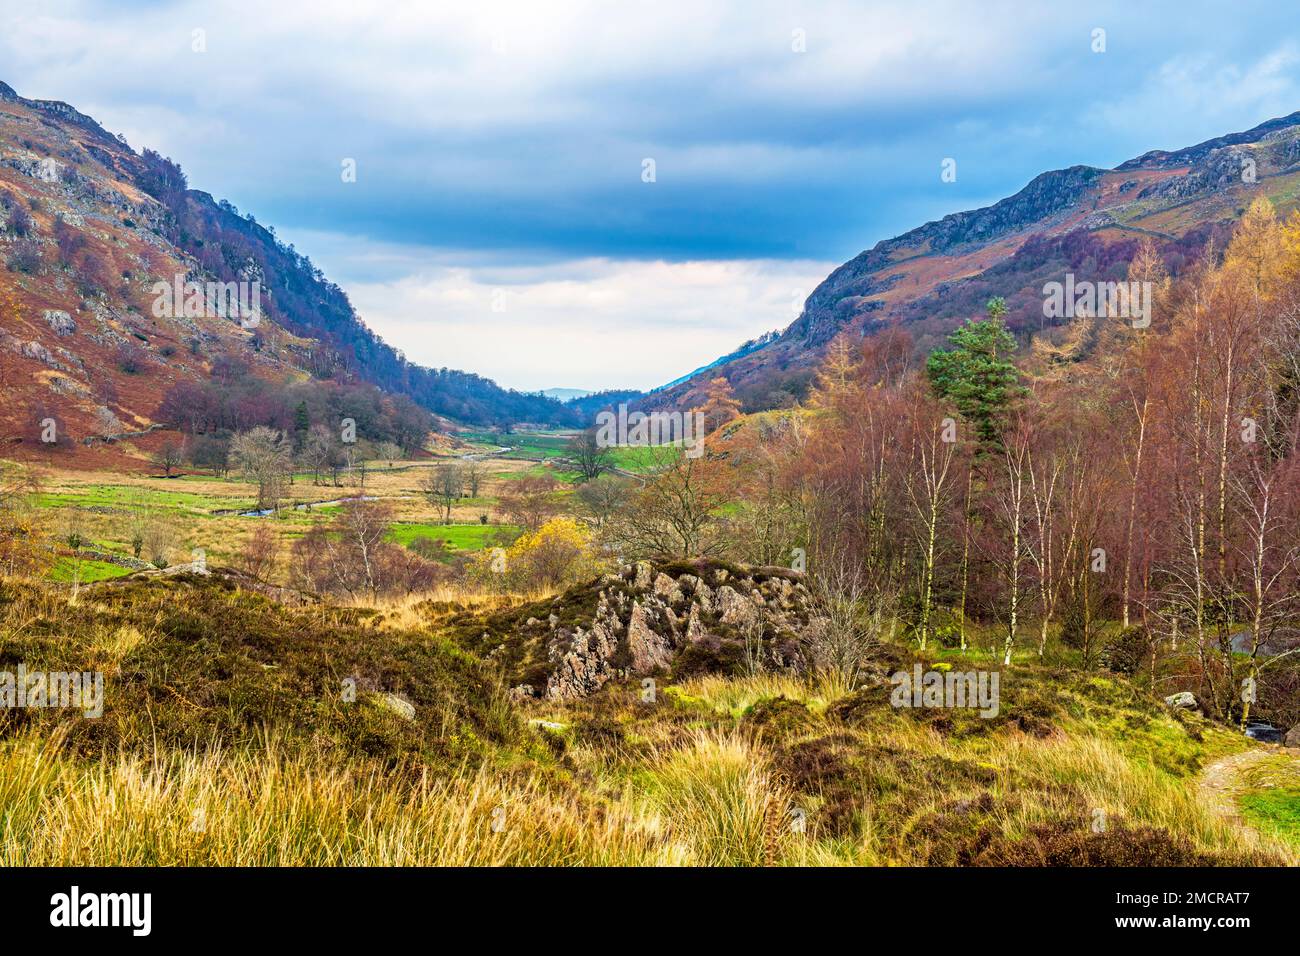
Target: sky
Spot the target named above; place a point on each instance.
(600, 195)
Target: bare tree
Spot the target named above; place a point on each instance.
(265, 458)
(529, 502)
(318, 449)
(850, 618)
(586, 452)
(927, 488)
(473, 478)
(169, 457)
(443, 486)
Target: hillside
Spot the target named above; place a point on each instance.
(89, 228)
(1081, 220)
(236, 730)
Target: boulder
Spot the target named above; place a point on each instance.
(59, 321)
(666, 588)
(650, 649)
(694, 626)
(735, 610)
(1292, 738)
(1183, 700)
(401, 707)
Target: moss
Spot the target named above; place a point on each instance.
(712, 655)
(1071, 842)
(780, 718)
(218, 664)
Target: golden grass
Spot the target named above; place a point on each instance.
(722, 804)
(271, 809)
(735, 695)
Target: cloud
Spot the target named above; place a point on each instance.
(587, 323)
(500, 136)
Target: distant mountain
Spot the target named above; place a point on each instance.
(1083, 220)
(88, 230)
(565, 394)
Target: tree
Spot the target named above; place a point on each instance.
(473, 477)
(601, 499)
(977, 374)
(443, 486)
(265, 458)
(318, 450)
(929, 492)
(350, 557)
(720, 404)
(586, 452)
(675, 514)
(22, 551)
(529, 502)
(169, 456)
(389, 451)
(211, 452)
(555, 555)
(257, 558)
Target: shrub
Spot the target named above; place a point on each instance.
(1130, 649)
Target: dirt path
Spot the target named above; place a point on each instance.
(1220, 781)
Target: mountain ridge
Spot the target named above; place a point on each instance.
(1081, 218)
(89, 226)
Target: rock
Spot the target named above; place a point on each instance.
(694, 627)
(59, 321)
(735, 610)
(1183, 700)
(644, 618)
(649, 649)
(399, 706)
(666, 588)
(704, 595)
(1292, 738)
(585, 666)
(531, 622)
(521, 692)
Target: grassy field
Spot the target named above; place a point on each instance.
(234, 743)
(1272, 801)
(456, 537)
(203, 511)
(67, 569)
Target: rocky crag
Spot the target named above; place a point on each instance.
(671, 619)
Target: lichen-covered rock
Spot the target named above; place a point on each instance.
(668, 589)
(694, 627)
(650, 649)
(647, 620)
(736, 611)
(401, 707)
(59, 321)
(644, 575)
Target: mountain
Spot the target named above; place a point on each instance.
(1081, 220)
(91, 231)
(565, 394)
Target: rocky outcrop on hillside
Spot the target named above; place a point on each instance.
(940, 274)
(646, 619)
